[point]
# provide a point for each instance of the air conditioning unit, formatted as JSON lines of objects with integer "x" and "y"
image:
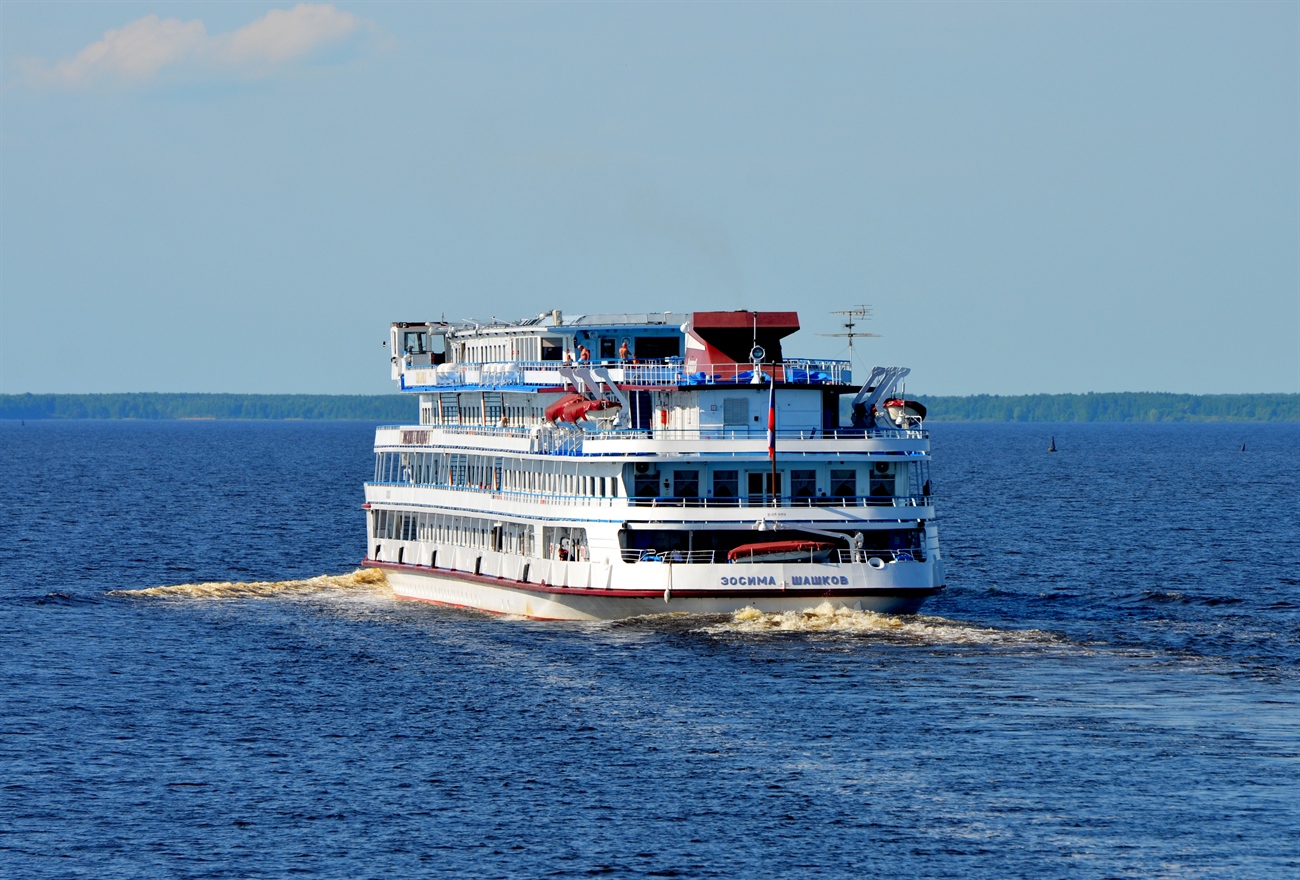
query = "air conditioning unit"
{"x": 643, "y": 467}
{"x": 882, "y": 467}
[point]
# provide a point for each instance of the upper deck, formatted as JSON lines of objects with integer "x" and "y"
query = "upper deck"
{"x": 655, "y": 441}
{"x": 625, "y": 381}
{"x": 672, "y": 372}
{"x": 634, "y": 350}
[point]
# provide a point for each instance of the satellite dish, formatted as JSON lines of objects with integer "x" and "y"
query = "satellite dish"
{"x": 756, "y": 354}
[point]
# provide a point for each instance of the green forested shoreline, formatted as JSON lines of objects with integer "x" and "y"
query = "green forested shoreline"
{"x": 1131, "y": 406}
{"x": 1124, "y": 406}
{"x": 334, "y": 407}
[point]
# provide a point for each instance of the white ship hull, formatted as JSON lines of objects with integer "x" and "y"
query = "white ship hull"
{"x": 688, "y": 589}
{"x": 608, "y": 466}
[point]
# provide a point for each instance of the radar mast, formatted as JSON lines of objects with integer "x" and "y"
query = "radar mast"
{"x": 849, "y": 320}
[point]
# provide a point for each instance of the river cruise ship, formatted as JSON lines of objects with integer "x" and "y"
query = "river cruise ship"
{"x": 595, "y": 467}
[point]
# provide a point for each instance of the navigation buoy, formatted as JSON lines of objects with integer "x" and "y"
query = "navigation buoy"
{"x": 1052, "y": 448}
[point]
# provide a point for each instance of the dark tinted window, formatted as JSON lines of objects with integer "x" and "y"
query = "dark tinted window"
{"x": 651, "y": 348}
{"x": 646, "y": 485}
{"x": 882, "y": 480}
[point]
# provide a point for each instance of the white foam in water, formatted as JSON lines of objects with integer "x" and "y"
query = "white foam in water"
{"x": 363, "y": 579}
{"x": 825, "y": 618}
{"x": 828, "y": 618}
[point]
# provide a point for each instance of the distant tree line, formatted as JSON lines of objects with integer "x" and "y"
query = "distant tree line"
{"x": 1126, "y": 406}
{"x": 394, "y": 408}
{"x": 402, "y": 408}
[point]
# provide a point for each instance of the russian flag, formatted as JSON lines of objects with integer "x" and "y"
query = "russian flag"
{"x": 771, "y": 419}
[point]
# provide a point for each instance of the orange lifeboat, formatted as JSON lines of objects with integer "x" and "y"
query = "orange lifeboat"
{"x": 573, "y": 408}
{"x": 782, "y": 551}
{"x": 910, "y": 410}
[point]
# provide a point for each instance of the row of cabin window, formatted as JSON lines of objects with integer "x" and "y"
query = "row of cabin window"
{"x": 566, "y": 543}
{"x": 452, "y": 529}
{"x": 453, "y": 469}
{"x": 726, "y": 484}
{"x": 487, "y": 352}
{"x": 499, "y": 474}
{"x": 478, "y": 408}
{"x": 803, "y": 483}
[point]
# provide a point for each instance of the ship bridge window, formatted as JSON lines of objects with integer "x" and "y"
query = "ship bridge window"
{"x": 552, "y": 349}
{"x": 650, "y": 348}
{"x": 415, "y": 342}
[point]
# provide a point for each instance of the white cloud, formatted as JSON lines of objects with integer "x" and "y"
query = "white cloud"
{"x": 288, "y": 34}
{"x": 150, "y": 47}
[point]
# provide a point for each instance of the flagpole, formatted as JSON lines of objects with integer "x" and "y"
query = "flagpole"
{"x": 771, "y": 435}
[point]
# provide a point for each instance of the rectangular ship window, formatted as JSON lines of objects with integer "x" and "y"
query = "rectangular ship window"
{"x": 803, "y": 484}
{"x": 726, "y": 484}
{"x": 686, "y": 484}
{"x": 646, "y": 485}
{"x": 844, "y": 484}
{"x": 882, "y": 480}
{"x": 450, "y": 404}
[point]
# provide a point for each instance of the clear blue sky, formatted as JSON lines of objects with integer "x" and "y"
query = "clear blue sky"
{"x": 1034, "y": 197}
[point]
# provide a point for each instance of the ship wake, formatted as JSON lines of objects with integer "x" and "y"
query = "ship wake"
{"x": 913, "y": 629}
{"x": 361, "y": 580}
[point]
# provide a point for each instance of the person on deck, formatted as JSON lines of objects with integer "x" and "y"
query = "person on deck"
{"x": 623, "y": 352}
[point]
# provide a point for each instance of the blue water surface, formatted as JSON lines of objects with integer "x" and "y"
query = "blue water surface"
{"x": 1108, "y": 688}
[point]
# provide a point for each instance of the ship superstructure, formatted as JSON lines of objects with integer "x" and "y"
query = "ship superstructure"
{"x": 608, "y": 466}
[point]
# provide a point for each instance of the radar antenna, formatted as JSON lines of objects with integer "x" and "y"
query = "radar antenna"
{"x": 850, "y": 319}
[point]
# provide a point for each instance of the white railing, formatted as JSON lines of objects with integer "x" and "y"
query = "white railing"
{"x": 759, "y": 502}
{"x": 795, "y": 371}
{"x": 840, "y": 556}
{"x": 539, "y": 498}
{"x": 747, "y": 433}
{"x": 555, "y": 498}
{"x": 552, "y": 440}
{"x": 705, "y": 433}
{"x": 542, "y": 439}
{"x": 687, "y": 556}
{"x": 882, "y": 556}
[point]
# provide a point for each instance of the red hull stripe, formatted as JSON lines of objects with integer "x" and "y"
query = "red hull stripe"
{"x": 650, "y": 594}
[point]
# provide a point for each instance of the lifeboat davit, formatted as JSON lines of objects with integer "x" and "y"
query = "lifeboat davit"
{"x": 782, "y": 551}
{"x": 898, "y": 409}
{"x": 573, "y": 408}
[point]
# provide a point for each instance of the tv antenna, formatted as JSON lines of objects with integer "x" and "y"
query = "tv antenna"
{"x": 849, "y": 320}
